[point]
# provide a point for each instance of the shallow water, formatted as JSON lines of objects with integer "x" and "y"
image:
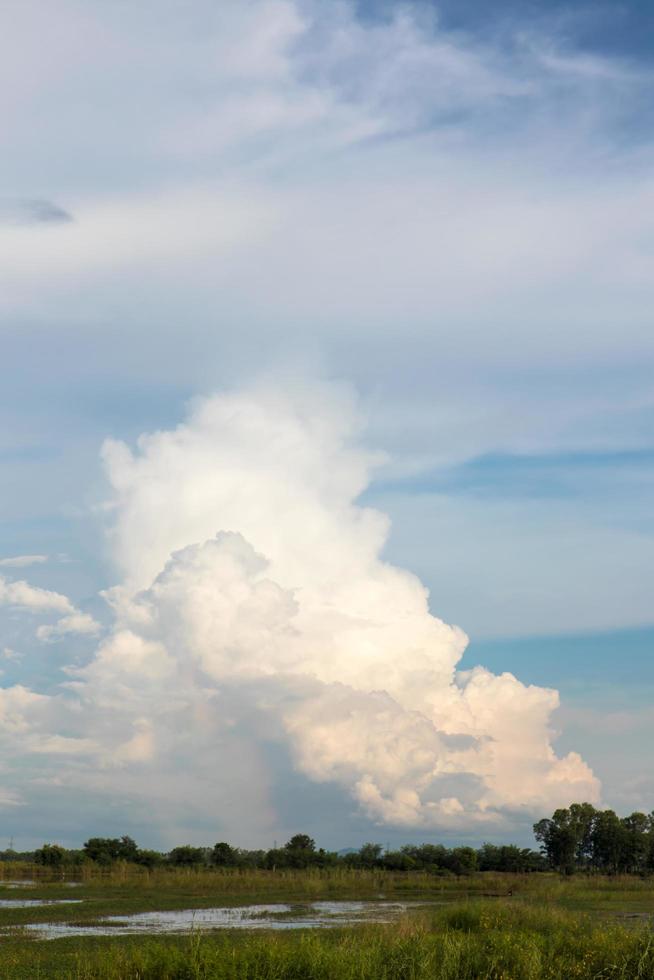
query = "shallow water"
{"x": 309, "y": 915}
{"x": 43, "y": 879}
{"x": 28, "y": 903}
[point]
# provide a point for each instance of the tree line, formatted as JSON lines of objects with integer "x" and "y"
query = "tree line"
{"x": 582, "y": 838}
{"x": 298, "y": 853}
{"x": 576, "y": 838}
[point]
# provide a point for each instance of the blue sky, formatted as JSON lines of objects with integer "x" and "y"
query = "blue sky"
{"x": 446, "y": 207}
{"x": 616, "y": 29}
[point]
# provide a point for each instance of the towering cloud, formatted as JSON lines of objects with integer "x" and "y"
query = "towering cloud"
{"x": 255, "y": 607}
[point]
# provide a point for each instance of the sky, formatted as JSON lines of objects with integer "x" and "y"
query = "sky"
{"x": 326, "y": 360}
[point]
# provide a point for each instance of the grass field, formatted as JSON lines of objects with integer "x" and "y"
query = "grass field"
{"x": 547, "y": 928}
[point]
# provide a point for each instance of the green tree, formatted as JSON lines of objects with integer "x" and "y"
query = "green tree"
{"x": 300, "y": 851}
{"x": 635, "y": 843}
{"x": 608, "y": 841}
{"x": 50, "y": 856}
{"x": 224, "y": 855}
{"x": 398, "y": 861}
{"x": 558, "y": 840}
{"x": 187, "y": 856}
{"x": 369, "y": 856}
{"x": 149, "y": 859}
{"x": 431, "y": 857}
{"x": 463, "y": 860}
{"x": 508, "y": 857}
{"x": 581, "y": 821}
{"x": 300, "y": 842}
{"x": 106, "y": 850}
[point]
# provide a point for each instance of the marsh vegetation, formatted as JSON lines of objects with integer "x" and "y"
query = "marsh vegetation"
{"x": 496, "y": 926}
{"x": 303, "y": 913}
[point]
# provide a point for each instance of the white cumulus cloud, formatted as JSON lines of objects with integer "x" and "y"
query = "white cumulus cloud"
{"x": 256, "y": 606}
{"x": 22, "y": 595}
{"x": 77, "y": 622}
{"x": 29, "y": 597}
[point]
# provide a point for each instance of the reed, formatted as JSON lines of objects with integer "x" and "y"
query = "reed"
{"x": 500, "y": 927}
{"x": 468, "y": 941}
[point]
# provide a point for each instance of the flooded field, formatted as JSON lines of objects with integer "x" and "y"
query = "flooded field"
{"x": 32, "y": 903}
{"x": 334, "y": 925}
{"x": 310, "y": 915}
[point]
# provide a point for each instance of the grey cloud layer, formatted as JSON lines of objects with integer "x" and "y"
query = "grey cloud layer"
{"x": 35, "y": 211}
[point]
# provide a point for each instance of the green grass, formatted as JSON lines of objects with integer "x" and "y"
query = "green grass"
{"x": 126, "y": 890}
{"x": 548, "y": 929}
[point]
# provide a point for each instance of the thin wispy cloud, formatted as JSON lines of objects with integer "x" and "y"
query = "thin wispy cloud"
{"x": 22, "y": 561}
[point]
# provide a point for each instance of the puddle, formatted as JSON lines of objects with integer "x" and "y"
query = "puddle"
{"x": 46, "y": 879}
{"x": 30, "y": 903}
{"x": 310, "y": 915}
{"x": 11, "y": 885}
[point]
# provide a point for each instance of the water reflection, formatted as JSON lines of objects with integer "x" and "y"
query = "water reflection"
{"x": 310, "y": 915}
{"x": 29, "y": 903}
